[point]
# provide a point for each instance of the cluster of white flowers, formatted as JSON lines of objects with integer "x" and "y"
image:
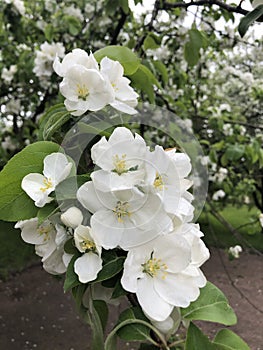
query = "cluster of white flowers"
{"x": 139, "y": 202}
{"x": 45, "y": 58}
{"x": 88, "y": 87}
{"x": 218, "y": 194}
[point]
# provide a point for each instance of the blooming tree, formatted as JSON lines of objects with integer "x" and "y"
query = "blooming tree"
{"x": 107, "y": 188}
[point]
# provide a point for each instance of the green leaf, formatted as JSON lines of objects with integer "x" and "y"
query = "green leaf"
{"x": 71, "y": 279}
{"x": 125, "y": 56}
{"x": 15, "y": 204}
{"x": 161, "y": 68}
{"x": 133, "y": 332}
{"x": 67, "y": 189}
{"x": 150, "y": 43}
{"x": 118, "y": 290}
{"x": 230, "y": 341}
{"x": 45, "y": 212}
{"x": 110, "y": 269}
{"x": 103, "y": 312}
{"x": 196, "y": 340}
{"x": 144, "y": 80}
{"x": 49, "y": 32}
{"x": 234, "y": 152}
{"x": 191, "y": 54}
{"x": 96, "y": 327}
{"x": 249, "y": 19}
{"x": 74, "y": 25}
{"x": 211, "y": 306}
{"x": 70, "y": 247}
{"x": 55, "y": 122}
{"x": 124, "y": 4}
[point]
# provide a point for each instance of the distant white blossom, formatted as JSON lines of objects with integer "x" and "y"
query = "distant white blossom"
{"x": 235, "y": 251}
{"x": 18, "y": 5}
{"x": 74, "y": 11}
{"x": 45, "y": 58}
{"x": 218, "y": 194}
{"x": 8, "y": 74}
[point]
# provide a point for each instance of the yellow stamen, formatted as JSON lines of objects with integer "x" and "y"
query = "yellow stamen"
{"x": 44, "y": 230}
{"x": 82, "y": 91}
{"x": 153, "y": 266}
{"x": 120, "y": 165}
{"x": 88, "y": 245}
{"x": 121, "y": 210}
{"x": 47, "y": 184}
{"x": 158, "y": 182}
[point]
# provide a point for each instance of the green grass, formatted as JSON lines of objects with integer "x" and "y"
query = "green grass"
{"x": 217, "y": 234}
{"x": 15, "y": 254}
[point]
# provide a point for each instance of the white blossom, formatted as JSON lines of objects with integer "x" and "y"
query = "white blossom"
{"x": 38, "y": 186}
{"x": 124, "y": 218}
{"x": 74, "y": 12}
{"x": 121, "y": 160}
{"x": 218, "y": 194}
{"x": 235, "y": 251}
{"x": 72, "y": 217}
{"x": 45, "y": 58}
{"x": 165, "y": 273}
{"x": 18, "y": 5}
{"x": 85, "y": 89}
{"x": 8, "y": 74}
{"x": 125, "y": 98}
{"x": 90, "y": 263}
{"x": 49, "y": 239}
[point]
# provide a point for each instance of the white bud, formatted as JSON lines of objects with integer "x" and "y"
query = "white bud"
{"x": 72, "y": 217}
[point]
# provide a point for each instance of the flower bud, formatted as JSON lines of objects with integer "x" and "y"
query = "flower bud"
{"x": 72, "y": 217}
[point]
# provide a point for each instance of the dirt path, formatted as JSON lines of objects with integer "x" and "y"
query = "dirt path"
{"x": 36, "y": 314}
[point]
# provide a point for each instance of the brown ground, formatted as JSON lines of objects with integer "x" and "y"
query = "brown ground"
{"x": 36, "y": 314}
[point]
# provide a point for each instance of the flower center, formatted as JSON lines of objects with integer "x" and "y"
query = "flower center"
{"x": 47, "y": 185}
{"x": 158, "y": 182}
{"x": 120, "y": 165}
{"x": 88, "y": 245}
{"x": 153, "y": 266}
{"x": 82, "y": 92}
{"x": 44, "y": 230}
{"x": 121, "y": 210}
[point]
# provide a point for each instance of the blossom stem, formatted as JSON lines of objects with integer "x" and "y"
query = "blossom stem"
{"x": 177, "y": 342}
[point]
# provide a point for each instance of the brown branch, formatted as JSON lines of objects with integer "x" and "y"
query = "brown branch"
{"x": 235, "y": 9}
{"x": 119, "y": 27}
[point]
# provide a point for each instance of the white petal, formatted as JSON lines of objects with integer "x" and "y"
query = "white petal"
{"x": 54, "y": 263}
{"x": 132, "y": 270}
{"x": 123, "y": 107}
{"x": 34, "y": 185}
{"x": 154, "y": 306}
{"x": 56, "y": 167}
{"x": 177, "y": 289}
{"x": 87, "y": 196}
{"x": 29, "y": 231}
{"x": 87, "y": 267}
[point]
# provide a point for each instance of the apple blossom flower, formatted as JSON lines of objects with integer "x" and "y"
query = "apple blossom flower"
{"x": 121, "y": 159}
{"x": 72, "y": 217}
{"x": 74, "y": 12}
{"x": 125, "y": 97}
{"x": 18, "y": 5}
{"x": 78, "y": 57}
{"x": 218, "y": 194}
{"x": 162, "y": 275}
{"x": 165, "y": 176}
{"x": 8, "y": 74}
{"x": 90, "y": 263}
{"x": 49, "y": 239}
{"x": 85, "y": 89}
{"x": 235, "y": 251}
{"x": 45, "y": 57}
{"x": 124, "y": 218}
{"x": 38, "y": 186}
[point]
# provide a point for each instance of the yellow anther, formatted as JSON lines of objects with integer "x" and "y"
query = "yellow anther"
{"x": 88, "y": 245}
{"x": 158, "y": 182}
{"x": 120, "y": 165}
{"x": 153, "y": 266}
{"x": 82, "y": 91}
{"x": 47, "y": 184}
{"x": 44, "y": 230}
{"x": 121, "y": 210}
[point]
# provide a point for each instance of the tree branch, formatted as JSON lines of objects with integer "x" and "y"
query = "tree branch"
{"x": 118, "y": 28}
{"x": 236, "y": 9}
